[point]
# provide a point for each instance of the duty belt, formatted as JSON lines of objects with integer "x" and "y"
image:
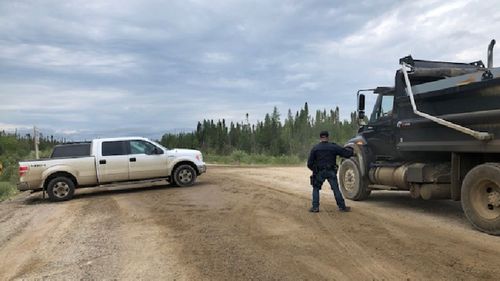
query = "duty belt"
{"x": 329, "y": 167}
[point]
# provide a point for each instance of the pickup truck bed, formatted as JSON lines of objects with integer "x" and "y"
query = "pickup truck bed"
{"x": 81, "y": 168}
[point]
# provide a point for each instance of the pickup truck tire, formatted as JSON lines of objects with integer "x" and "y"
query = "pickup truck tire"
{"x": 184, "y": 175}
{"x": 481, "y": 197}
{"x": 60, "y": 189}
{"x": 352, "y": 184}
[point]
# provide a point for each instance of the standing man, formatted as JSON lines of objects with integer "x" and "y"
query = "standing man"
{"x": 323, "y": 163}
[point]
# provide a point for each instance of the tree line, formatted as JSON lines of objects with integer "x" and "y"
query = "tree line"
{"x": 271, "y": 136}
{"x": 17, "y": 144}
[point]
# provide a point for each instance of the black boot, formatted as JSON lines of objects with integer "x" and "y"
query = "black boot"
{"x": 345, "y": 209}
{"x": 314, "y": 210}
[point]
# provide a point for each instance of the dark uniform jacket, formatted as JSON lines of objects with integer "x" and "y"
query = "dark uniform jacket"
{"x": 324, "y": 156}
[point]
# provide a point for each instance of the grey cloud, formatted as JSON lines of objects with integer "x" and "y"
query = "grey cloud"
{"x": 145, "y": 67}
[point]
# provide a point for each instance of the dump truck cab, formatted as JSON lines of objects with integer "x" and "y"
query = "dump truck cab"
{"x": 379, "y": 129}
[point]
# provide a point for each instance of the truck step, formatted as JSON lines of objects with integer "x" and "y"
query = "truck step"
{"x": 383, "y": 187}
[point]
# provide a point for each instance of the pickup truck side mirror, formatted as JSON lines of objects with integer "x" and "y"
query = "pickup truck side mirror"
{"x": 157, "y": 151}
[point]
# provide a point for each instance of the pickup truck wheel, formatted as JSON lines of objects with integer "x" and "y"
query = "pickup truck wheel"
{"x": 60, "y": 189}
{"x": 352, "y": 184}
{"x": 184, "y": 175}
{"x": 481, "y": 197}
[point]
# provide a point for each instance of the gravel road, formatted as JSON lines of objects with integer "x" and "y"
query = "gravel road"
{"x": 240, "y": 223}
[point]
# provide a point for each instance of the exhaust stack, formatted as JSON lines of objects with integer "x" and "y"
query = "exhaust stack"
{"x": 490, "y": 53}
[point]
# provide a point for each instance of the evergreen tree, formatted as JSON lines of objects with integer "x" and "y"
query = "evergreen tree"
{"x": 294, "y": 136}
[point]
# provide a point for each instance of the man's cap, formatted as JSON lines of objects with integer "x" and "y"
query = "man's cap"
{"x": 323, "y": 134}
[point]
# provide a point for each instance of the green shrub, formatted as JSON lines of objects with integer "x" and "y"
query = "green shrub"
{"x": 238, "y": 157}
{"x": 7, "y": 189}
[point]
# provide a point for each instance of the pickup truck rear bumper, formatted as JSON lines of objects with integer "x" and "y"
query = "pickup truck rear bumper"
{"x": 23, "y": 186}
{"x": 202, "y": 169}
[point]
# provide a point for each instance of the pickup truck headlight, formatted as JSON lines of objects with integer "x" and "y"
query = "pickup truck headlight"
{"x": 199, "y": 157}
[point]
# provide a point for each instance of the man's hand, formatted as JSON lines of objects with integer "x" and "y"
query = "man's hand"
{"x": 350, "y": 149}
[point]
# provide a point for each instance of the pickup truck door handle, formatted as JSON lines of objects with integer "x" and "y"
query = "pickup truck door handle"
{"x": 103, "y": 161}
{"x": 132, "y": 159}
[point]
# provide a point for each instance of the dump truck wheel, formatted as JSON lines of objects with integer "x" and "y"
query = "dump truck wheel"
{"x": 60, "y": 189}
{"x": 481, "y": 197}
{"x": 352, "y": 184}
{"x": 184, "y": 175}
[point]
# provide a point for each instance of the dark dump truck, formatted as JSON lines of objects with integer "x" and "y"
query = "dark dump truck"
{"x": 436, "y": 134}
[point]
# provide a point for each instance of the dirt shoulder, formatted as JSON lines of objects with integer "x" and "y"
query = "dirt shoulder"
{"x": 240, "y": 223}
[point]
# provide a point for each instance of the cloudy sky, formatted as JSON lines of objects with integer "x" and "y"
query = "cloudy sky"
{"x": 106, "y": 68}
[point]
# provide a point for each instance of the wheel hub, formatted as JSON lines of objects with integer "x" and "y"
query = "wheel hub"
{"x": 494, "y": 199}
{"x": 61, "y": 189}
{"x": 349, "y": 180}
{"x": 185, "y": 176}
{"x": 486, "y": 199}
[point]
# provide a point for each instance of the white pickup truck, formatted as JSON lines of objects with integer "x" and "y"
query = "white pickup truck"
{"x": 110, "y": 160}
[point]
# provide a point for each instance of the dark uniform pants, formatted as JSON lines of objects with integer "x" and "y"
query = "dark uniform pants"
{"x": 318, "y": 180}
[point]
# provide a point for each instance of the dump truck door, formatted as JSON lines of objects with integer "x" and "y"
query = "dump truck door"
{"x": 381, "y": 136}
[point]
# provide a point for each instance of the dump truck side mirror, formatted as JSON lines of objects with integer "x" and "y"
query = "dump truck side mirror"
{"x": 361, "y": 102}
{"x": 361, "y": 109}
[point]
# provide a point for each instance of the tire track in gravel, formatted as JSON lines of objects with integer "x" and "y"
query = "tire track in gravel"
{"x": 388, "y": 244}
{"x": 26, "y": 235}
{"x": 241, "y": 223}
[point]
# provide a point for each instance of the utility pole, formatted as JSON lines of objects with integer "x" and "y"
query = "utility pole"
{"x": 36, "y": 141}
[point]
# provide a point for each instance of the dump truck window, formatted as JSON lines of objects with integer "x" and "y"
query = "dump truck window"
{"x": 387, "y": 103}
{"x": 383, "y": 107}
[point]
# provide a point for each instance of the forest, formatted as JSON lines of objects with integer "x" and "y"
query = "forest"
{"x": 270, "y": 140}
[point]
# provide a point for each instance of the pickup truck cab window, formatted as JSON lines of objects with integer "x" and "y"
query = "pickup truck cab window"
{"x": 71, "y": 150}
{"x": 143, "y": 147}
{"x": 110, "y": 148}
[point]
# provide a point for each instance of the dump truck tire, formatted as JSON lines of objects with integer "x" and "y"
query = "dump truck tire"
{"x": 352, "y": 184}
{"x": 481, "y": 197}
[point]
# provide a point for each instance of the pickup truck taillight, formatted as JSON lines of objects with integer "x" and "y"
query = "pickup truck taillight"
{"x": 23, "y": 170}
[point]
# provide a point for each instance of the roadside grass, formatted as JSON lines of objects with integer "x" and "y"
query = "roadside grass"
{"x": 8, "y": 177}
{"x": 239, "y": 157}
{"x": 9, "y": 173}
{"x": 7, "y": 190}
